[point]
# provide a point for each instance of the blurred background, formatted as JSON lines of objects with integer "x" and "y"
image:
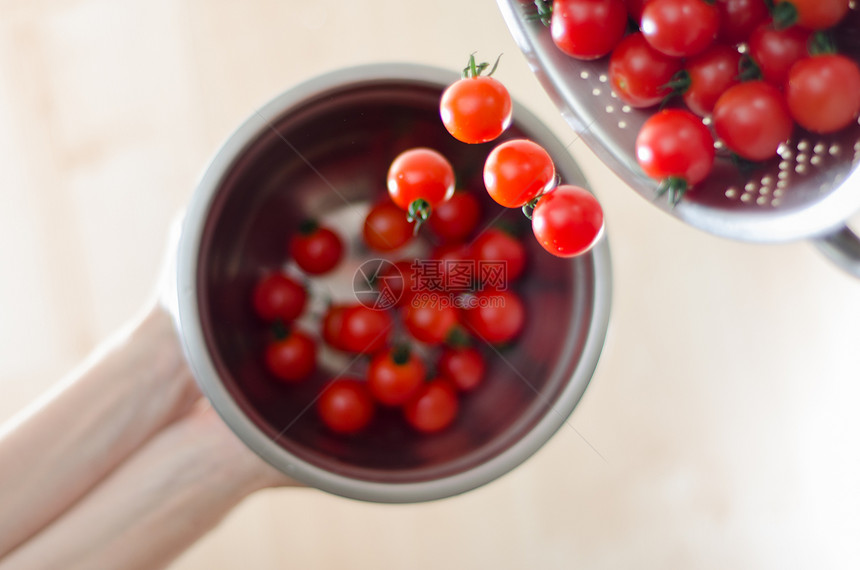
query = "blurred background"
{"x": 719, "y": 430}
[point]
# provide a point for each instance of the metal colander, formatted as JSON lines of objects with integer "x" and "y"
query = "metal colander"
{"x": 808, "y": 191}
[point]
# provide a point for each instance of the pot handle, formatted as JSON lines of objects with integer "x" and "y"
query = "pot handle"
{"x": 842, "y": 247}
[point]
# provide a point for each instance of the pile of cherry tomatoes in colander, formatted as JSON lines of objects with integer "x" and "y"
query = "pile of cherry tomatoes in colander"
{"x": 428, "y": 333}
{"x": 756, "y": 69}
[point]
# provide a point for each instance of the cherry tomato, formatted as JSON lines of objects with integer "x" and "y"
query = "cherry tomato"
{"x": 752, "y": 119}
{"x": 455, "y": 220}
{"x": 315, "y": 249}
{"x": 710, "y": 73}
{"x": 587, "y": 29}
{"x": 278, "y": 296}
{"x": 395, "y": 375}
{"x": 814, "y": 14}
{"x": 639, "y": 74}
{"x": 433, "y": 408}
{"x": 365, "y": 330}
{"x": 430, "y": 318}
{"x": 496, "y": 316}
{"x": 332, "y": 326}
{"x": 419, "y": 179}
{"x": 386, "y": 227}
{"x": 680, "y": 28}
{"x": 456, "y": 269}
{"x": 675, "y": 148}
{"x": 292, "y": 358}
{"x": 823, "y": 92}
{"x": 516, "y": 171}
{"x": 568, "y": 221}
{"x": 775, "y": 51}
{"x": 464, "y": 367}
{"x": 634, "y": 9}
{"x": 738, "y": 19}
{"x": 400, "y": 279}
{"x": 476, "y": 109}
{"x": 496, "y": 245}
{"x": 346, "y": 406}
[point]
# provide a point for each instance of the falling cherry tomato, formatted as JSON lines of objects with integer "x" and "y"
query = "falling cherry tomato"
{"x": 477, "y": 108}
{"x": 418, "y": 180}
{"x": 567, "y": 221}
{"x": 516, "y": 171}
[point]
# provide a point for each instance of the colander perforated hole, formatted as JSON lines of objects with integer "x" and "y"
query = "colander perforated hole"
{"x": 584, "y": 74}
{"x": 610, "y": 109}
{"x": 622, "y": 124}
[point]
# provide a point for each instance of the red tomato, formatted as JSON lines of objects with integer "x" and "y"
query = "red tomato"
{"x": 476, "y": 109}
{"x": 430, "y": 318}
{"x": 464, "y": 367}
{"x": 332, "y": 326}
{"x": 675, "y": 148}
{"x": 419, "y": 179}
{"x": 455, "y": 271}
{"x": 738, "y": 19}
{"x": 568, "y": 221}
{"x": 497, "y": 245}
{"x": 316, "y": 249}
{"x": 517, "y": 171}
{"x": 813, "y": 14}
{"x": 634, "y": 9}
{"x": 639, "y": 74}
{"x": 386, "y": 227}
{"x": 823, "y": 92}
{"x": 292, "y": 358}
{"x": 400, "y": 278}
{"x": 345, "y": 406}
{"x": 680, "y": 28}
{"x": 710, "y": 73}
{"x": 456, "y": 219}
{"x": 365, "y": 330}
{"x": 433, "y": 408}
{"x": 395, "y": 375}
{"x": 752, "y": 119}
{"x": 587, "y": 29}
{"x": 775, "y": 51}
{"x": 496, "y": 317}
{"x": 277, "y": 296}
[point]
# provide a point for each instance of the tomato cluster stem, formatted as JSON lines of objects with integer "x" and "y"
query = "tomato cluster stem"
{"x": 674, "y": 187}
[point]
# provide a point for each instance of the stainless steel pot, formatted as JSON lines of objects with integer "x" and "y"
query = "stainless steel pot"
{"x": 321, "y": 150}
